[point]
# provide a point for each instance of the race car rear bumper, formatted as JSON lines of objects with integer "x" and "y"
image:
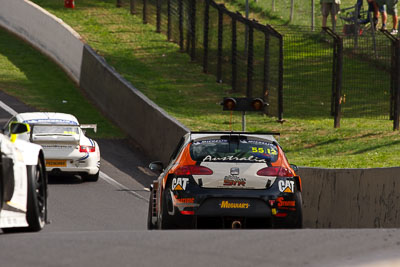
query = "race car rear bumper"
{"x": 221, "y": 208}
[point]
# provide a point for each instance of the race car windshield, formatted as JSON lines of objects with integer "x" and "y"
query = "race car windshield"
{"x": 241, "y": 150}
{"x": 55, "y": 130}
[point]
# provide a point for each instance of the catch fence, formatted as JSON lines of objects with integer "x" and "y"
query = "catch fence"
{"x": 295, "y": 70}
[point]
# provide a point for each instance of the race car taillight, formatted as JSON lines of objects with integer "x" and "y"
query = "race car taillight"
{"x": 87, "y": 149}
{"x": 275, "y": 171}
{"x": 193, "y": 170}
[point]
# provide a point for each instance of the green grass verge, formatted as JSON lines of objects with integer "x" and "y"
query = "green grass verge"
{"x": 40, "y": 83}
{"x": 167, "y": 77}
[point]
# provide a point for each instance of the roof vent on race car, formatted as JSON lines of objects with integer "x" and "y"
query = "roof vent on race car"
{"x": 193, "y": 170}
{"x": 275, "y": 171}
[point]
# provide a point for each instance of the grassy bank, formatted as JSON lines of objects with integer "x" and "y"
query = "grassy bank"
{"x": 40, "y": 83}
{"x": 166, "y": 76}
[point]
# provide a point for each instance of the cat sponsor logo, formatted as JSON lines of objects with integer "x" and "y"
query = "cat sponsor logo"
{"x": 179, "y": 183}
{"x": 225, "y": 204}
{"x": 286, "y": 186}
{"x": 234, "y": 181}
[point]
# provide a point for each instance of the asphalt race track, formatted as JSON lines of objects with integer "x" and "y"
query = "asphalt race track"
{"x": 104, "y": 224}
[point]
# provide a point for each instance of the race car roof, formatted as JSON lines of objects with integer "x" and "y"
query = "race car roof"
{"x": 206, "y": 135}
{"x": 47, "y": 118}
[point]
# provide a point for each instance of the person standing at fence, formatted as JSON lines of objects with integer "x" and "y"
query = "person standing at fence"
{"x": 329, "y": 7}
{"x": 391, "y": 9}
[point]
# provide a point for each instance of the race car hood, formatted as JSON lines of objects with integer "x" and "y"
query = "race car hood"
{"x": 234, "y": 175}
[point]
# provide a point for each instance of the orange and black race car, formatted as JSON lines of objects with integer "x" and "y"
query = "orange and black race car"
{"x": 226, "y": 180}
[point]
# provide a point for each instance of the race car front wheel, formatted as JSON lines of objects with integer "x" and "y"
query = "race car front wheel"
{"x": 37, "y": 197}
{"x": 36, "y": 213}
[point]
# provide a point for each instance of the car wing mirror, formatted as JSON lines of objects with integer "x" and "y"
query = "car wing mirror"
{"x": 19, "y": 127}
{"x": 156, "y": 166}
{"x": 294, "y": 167}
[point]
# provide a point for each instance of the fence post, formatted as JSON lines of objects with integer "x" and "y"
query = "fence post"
{"x": 205, "y": 38}
{"x": 234, "y": 54}
{"x": 396, "y": 87}
{"x": 220, "y": 36}
{"x": 158, "y": 16}
{"x": 280, "y": 72}
{"x": 266, "y": 72}
{"x": 250, "y": 59}
{"x": 337, "y": 70}
{"x": 394, "y": 79}
{"x": 119, "y": 3}
{"x": 193, "y": 29}
{"x": 144, "y": 11}
{"x": 169, "y": 23}
{"x": 180, "y": 11}
{"x": 333, "y": 87}
{"x": 280, "y": 82}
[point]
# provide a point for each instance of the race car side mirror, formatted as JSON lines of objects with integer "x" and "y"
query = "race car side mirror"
{"x": 294, "y": 167}
{"x": 19, "y": 127}
{"x": 156, "y": 166}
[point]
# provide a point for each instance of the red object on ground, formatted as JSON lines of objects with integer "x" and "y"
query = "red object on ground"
{"x": 69, "y": 3}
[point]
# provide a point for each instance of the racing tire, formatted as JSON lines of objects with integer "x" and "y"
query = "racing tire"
{"x": 36, "y": 214}
{"x": 297, "y": 223}
{"x": 165, "y": 220}
{"x": 91, "y": 177}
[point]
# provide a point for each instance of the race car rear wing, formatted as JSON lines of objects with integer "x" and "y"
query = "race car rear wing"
{"x": 233, "y": 133}
{"x": 89, "y": 126}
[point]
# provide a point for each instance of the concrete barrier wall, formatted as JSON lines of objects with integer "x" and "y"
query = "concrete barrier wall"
{"x": 45, "y": 32}
{"x": 351, "y": 198}
{"x": 149, "y": 125}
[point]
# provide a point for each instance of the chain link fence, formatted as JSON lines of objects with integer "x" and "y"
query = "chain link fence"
{"x": 294, "y": 69}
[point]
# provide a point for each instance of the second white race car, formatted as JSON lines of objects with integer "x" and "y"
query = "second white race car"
{"x": 66, "y": 148}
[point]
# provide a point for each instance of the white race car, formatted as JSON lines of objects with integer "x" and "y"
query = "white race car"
{"x": 23, "y": 183}
{"x": 66, "y": 148}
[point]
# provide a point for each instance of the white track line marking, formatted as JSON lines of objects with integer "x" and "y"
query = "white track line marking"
{"x": 8, "y": 109}
{"x": 103, "y": 176}
{"x": 117, "y": 185}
